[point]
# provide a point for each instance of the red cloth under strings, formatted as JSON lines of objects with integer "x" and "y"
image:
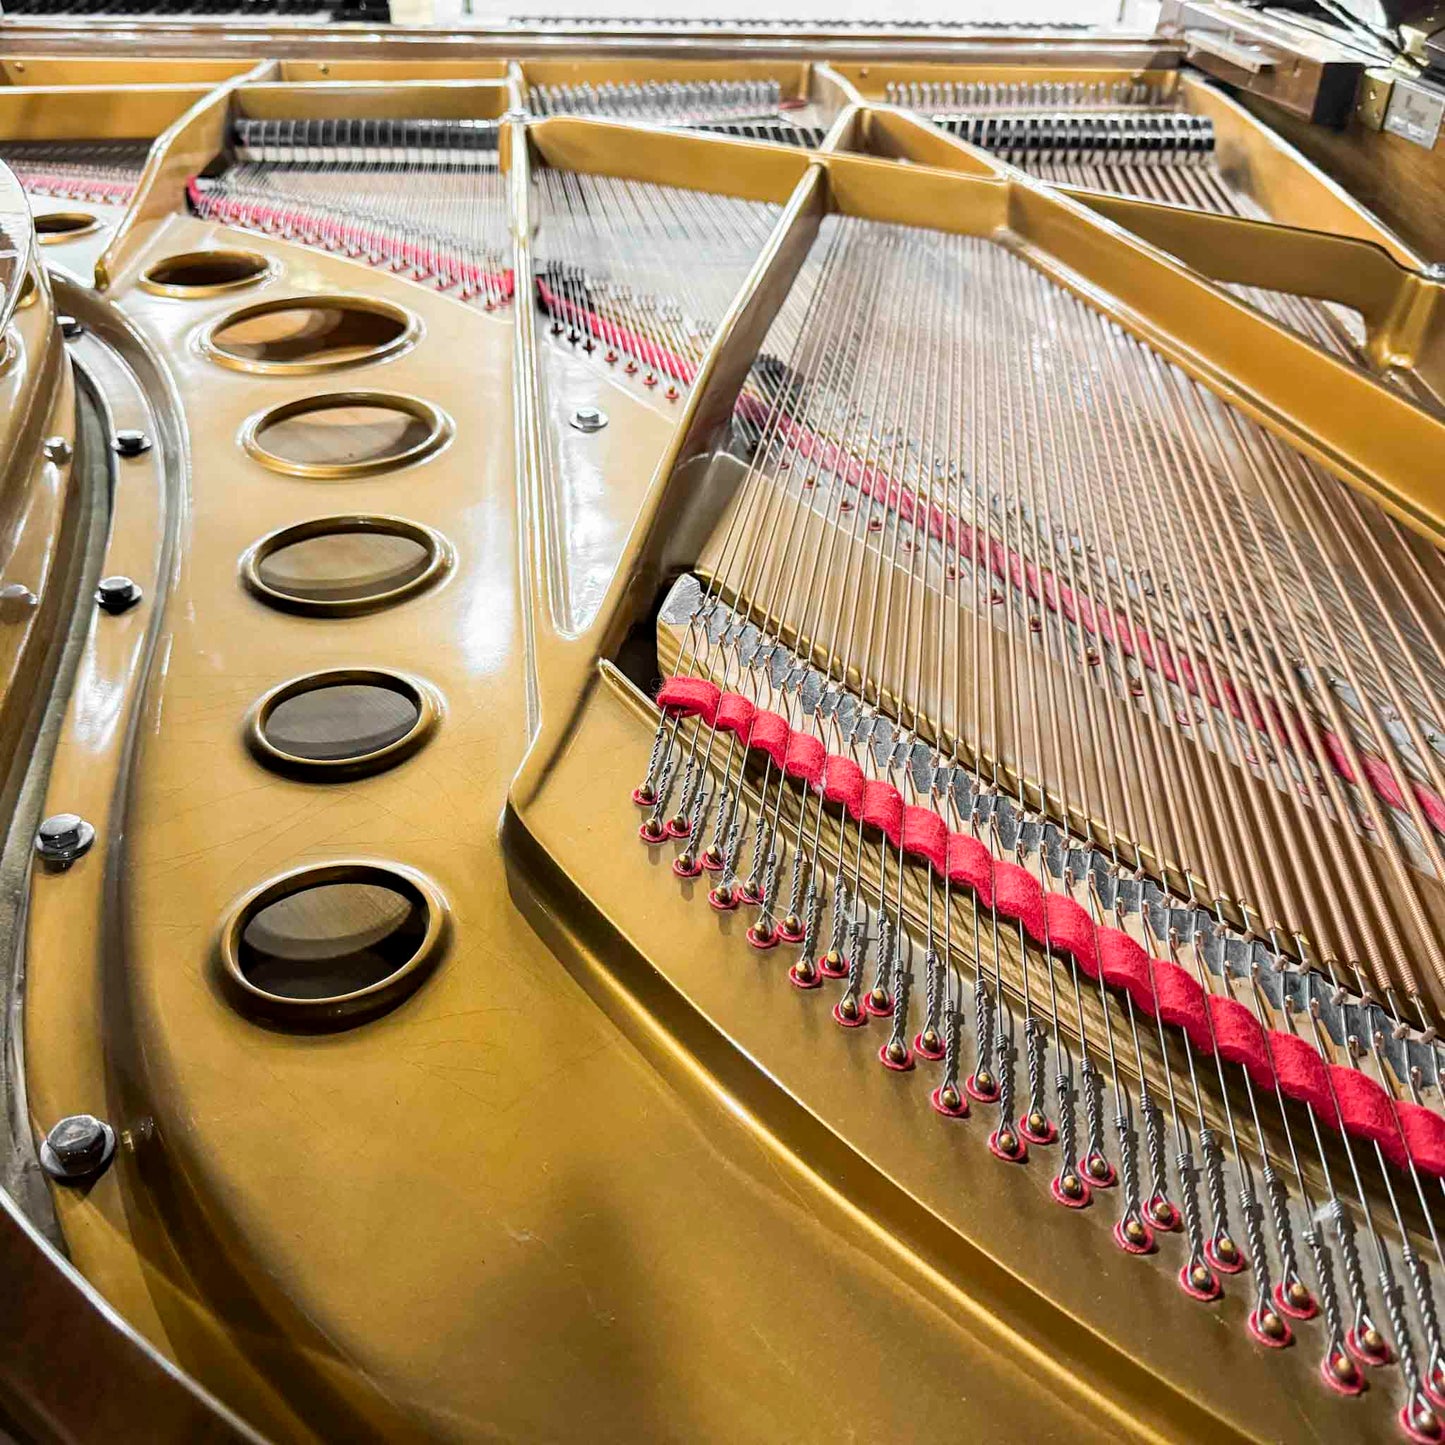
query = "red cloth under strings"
{"x": 1406, "y": 1132}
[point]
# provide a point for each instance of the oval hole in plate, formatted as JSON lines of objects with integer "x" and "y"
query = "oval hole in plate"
{"x": 342, "y": 566}
{"x": 197, "y": 274}
{"x": 333, "y": 944}
{"x": 300, "y": 334}
{"x": 339, "y": 435}
{"x": 342, "y": 723}
{"x": 55, "y": 226}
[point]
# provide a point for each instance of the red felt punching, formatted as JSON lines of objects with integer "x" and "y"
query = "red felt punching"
{"x": 1424, "y": 1132}
{"x": 805, "y": 757}
{"x": 1181, "y": 1003}
{"x": 1303, "y": 1075}
{"x": 970, "y": 862}
{"x": 843, "y": 783}
{"x": 925, "y": 835}
{"x": 1125, "y": 965}
{"x": 883, "y": 809}
{"x": 1368, "y": 1111}
{"x": 1017, "y": 893}
{"x": 690, "y": 697}
{"x": 771, "y": 733}
{"x": 1239, "y": 1038}
{"x": 1071, "y": 931}
{"x": 735, "y": 714}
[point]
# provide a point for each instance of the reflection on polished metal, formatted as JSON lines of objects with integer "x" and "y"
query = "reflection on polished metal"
{"x": 855, "y": 752}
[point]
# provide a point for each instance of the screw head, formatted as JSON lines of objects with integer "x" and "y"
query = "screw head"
{"x": 78, "y": 1147}
{"x": 117, "y": 594}
{"x": 16, "y": 602}
{"x": 1434, "y": 271}
{"x": 131, "y": 442}
{"x": 589, "y": 418}
{"x": 63, "y": 837}
{"x": 57, "y": 450}
{"x": 70, "y": 328}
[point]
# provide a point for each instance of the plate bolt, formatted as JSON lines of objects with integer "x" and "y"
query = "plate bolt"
{"x": 77, "y": 1148}
{"x": 131, "y": 442}
{"x": 589, "y": 418}
{"x": 63, "y": 837}
{"x": 117, "y": 594}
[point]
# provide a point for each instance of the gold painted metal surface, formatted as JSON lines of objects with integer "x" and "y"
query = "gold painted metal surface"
{"x": 421, "y": 694}
{"x": 606, "y": 1180}
{"x": 438, "y": 431}
{"x": 334, "y": 1010}
{"x": 439, "y": 557}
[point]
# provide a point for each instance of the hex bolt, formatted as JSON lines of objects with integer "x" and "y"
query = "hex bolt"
{"x": 78, "y": 1148}
{"x": 117, "y": 594}
{"x": 63, "y": 837}
{"x": 131, "y": 442}
{"x": 57, "y": 450}
{"x": 589, "y": 418}
{"x": 70, "y": 328}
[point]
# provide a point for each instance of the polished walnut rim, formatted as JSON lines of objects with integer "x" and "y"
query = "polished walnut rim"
{"x": 434, "y": 558}
{"x": 195, "y": 275}
{"x": 54, "y": 227}
{"x": 421, "y": 931}
{"x": 358, "y": 696}
{"x": 426, "y": 428}
{"x": 304, "y": 335}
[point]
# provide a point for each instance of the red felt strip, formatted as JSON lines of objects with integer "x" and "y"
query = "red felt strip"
{"x": 1017, "y": 893}
{"x": 925, "y": 835}
{"x": 735, "y": 714}
{"x": 805, "y": 757}
{"x": 1303, "y": 1075}
{"x": 1368, "y": 1110}
{"x": 883, "y": 809}
{"x": 1405, "y": 1132}
{"x": 1424, "y": 1132}
{"x": 1125, "y": 964}
{"x": 771, "y": 734}
{"x": 1071, "y": 931}
{"x": 1239, "y": 1037}
{"x": 691, "y": 697}
{"x": 1181, "y": 1003}
{"x": 843, "y": 783}
{"x": 970, "y": 862}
